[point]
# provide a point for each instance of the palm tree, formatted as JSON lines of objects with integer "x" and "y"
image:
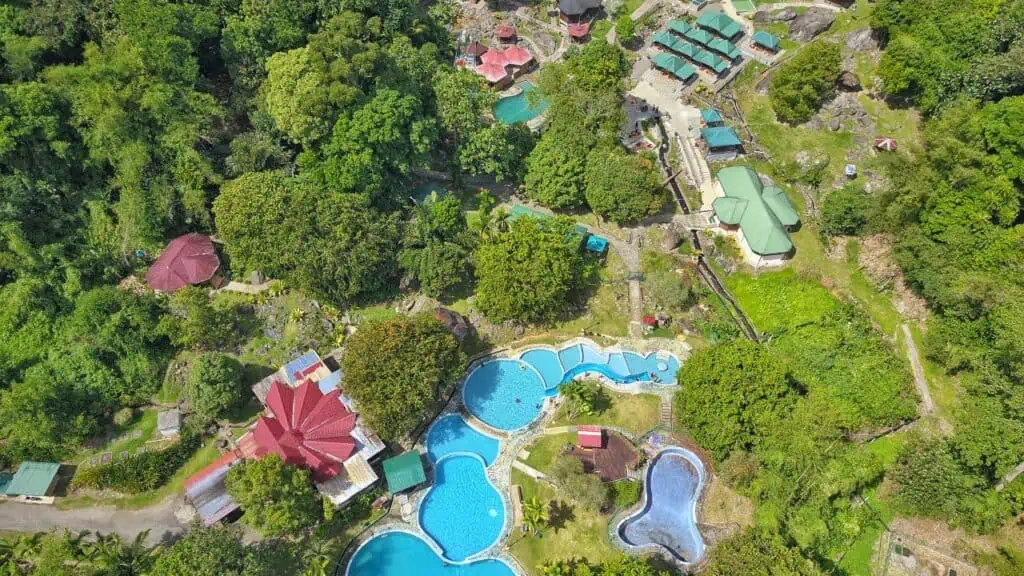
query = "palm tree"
{"x": 113, "y": 557}
{"x": 501, "y": 221}
{"x": 318, "y": 557}
{"x": 535, "y": 516}
{"x": 17, "y": 555}
{"x": 580, "y": 398}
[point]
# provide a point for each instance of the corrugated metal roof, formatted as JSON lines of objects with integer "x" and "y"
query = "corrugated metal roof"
{"x": 5, "y": 479}
{"x": 297, "y": 369}
{"x": 33, "y": 479}
{"x": 208, "y": 493}
{"x": 765, "y": 39}
{"x": 720, "y": 137}
{"x": 679, "y": 26}
{"x": 404, "y": 471}
{"x": 720, "y": 23}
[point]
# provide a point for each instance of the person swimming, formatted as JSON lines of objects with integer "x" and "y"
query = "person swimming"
{"x": 518, "y": 401}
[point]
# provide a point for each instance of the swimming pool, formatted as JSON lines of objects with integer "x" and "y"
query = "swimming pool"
{"x": 463, "y": 512}
{"x": 401, "y": 554}
{"x": 668, "y": 518}
{"x": 452, "y": 434}
{"x": 513, "y": 109}
{"x": 505, "y": 394}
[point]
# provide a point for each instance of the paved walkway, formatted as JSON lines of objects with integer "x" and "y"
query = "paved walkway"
{"x": 159, "y": 519}
{"x": 927, "y": 405}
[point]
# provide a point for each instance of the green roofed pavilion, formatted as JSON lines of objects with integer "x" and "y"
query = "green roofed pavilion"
{"x": 724, "y": 47}
{"x": 679, "y": 26}
{"x": 711, "y": 116}
{"x": 747, "y": 205}
{"x": 718, "y": 137}
{"x": 404, "y": 471}
{"x": 33, "y": 479}
{"x": 719, "y": 24}
{"x": 702, "y": 37}
{"x": 766, "y": 40}
{"x": 711, "y": 61}
{"x": 673, "y": 65}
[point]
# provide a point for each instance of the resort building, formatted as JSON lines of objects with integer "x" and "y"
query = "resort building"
{"x": 711, "y": 118}
{"x": 719, "y": 24}
{"x": 308, "y": 423}
{"x": 473, "y": 52}
{"x": 33, "y": 483}
{"x": 764, "y": 41}
{"x": 506, "y": 33}
{"x": 500, "y": 67}
{"x": 187, "y": 260}
{"x": 722, "y": 143}
{"x": 760, "y": 217}
{"x": 673, "y": 66}
{"x": 578, "y": 10}
{"x": 704, "y": 59}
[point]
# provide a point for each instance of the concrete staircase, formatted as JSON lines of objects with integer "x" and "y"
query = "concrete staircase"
{"x": 666, "y": 410}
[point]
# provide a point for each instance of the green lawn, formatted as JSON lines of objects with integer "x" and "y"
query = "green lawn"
{"x": 779, "y": 300}
{"x": 583, "y": 534}
{"x": 637, "y": 413}
{"x": 545, "y": 449}
{"x": 143, "y": 425}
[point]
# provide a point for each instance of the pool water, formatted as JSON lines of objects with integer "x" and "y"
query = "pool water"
{"x": 403, "y": 554}
{"x": 462, "y": 512}
{"x": 513, "y": 109}
{"x": 674, "y": 480}
{"x": 452, "y": 434}
{"x": 546, "y": 362}
{"x": 505, "y": 394}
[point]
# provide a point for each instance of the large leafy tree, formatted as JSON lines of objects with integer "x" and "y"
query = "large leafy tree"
{"x": 735, "y": 394}
{"x": 530, "y": 273}
{"x": 802, "y": 83}
{"x": 215, "y": 384}
{"x": 277, "y": 498}
{"x": 437, "y": 246}
{"x": 214, "y": 551}
{"x": 396, "y": 369}
{"x": 194, "y": 322}
{"x": 259, "y": 29}
{"x": 758, "y": 554}
{"x": 623, "y": 187}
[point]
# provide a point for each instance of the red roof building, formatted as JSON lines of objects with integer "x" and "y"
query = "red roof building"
{"x": 518, "y": 56}
{"x": 505, "y": 32}
{"x": 493, "y": 73}
{"x": 188, "y": 259}
{"x": 590, "y": 437}
{"x": 309, "y": 429}
{"x": 579, "y": 30}
{"x": 476, "y": 49}
{"x": 496, "y": 57}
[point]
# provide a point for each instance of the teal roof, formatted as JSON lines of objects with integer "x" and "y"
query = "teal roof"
{"x": 725, "y": 47}
{"x": 679, "y": 26}
{"x": 404, "y": 471}
{"x": 663, "y": 38}
{"x": 5, "y": 479}
{"x": 709, "y": 60}
{"x": 702, "y": 37}
{"x": 33, "y": 479}
{"x": 720, "y": 137}
{"x": 765, "y": 39}
{"x": 710, "y": 116}
{"x": 779, "y": 203}
{"x": 745, "y": 203}
{"x": 720, "y": 23}
{"x": 673, "y": 65}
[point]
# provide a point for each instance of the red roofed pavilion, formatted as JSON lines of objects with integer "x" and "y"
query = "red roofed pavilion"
{"x": 492, "y": 72}
{"x": 496, "y": 57}
{"x": 309, "y": 429}
{"x": 505, "y": 32}
{"x": 589, "y": 437}
{"x": 518, "y": 56}
{"x": 579, "y": 30}
{"x": 188, "y": 259}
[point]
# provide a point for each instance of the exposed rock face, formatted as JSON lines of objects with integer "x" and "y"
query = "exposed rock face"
{"x": 763, "y": 17}
{"x": 670, "y": 240}
{"x": 812, "y": 23}
{"x": 785, "y": 15}
{"x": 862, "y": 40}
{"x": 849, "y": 82}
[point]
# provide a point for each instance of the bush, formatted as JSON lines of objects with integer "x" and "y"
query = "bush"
{"x": 585, "y": 490}
{"x": 214, "y": 384}
{"x": 625, "y": 29}
{"x": 139, "y": 472}
{"x": 278, "y": 498}
{"x": 193, "y": 322}
{"x": 801, "y": 85}
{"x": 626, "y": 493}
{"x": 845, "y": 211}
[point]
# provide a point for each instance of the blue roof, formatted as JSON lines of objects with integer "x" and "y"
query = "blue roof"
{"x": 720, "y": 137}
{"x": 711, "y": 115}
{"x": 332, "y": 382}
{"x": 765, "y": 39}
{"x": 300, "y": 364}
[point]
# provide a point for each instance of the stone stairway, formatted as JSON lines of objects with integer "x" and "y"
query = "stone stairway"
{"x": 666, "y": 410}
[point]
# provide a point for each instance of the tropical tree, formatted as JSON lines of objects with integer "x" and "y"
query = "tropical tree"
{"x": 556, "y": 568}
{"x": 112, "y": 556}
{"x": 581, "y": 397}
{"x": 535, "y": 516}
{"x": 214, "y": 384}
{"x": 277, "y": 498}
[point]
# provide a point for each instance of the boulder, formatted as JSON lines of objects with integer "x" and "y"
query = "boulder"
{"x": 862, "y": 40}
{"x": 849, "y": 82}
{"x": 810, "y": 24}
{"x": 785, "y": 15}
{"x": 763, "y": 17}
{"x": 834, "y": 124}
{"x": 670, "y": 240}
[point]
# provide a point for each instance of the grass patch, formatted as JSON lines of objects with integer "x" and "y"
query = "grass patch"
{"x": 857, "y": 559}
{"x": 143, "y": 424}
{"x": 546, "y": 448}
{"x": 636, "y": 413}
{"x": 583, "y": 535}
{"x": 779, "y": 300}
{"x": 608, "y": 306}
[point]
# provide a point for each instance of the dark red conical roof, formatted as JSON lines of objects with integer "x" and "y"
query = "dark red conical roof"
{"x": 309, "y": 428}
{"x": 188, "y": 259}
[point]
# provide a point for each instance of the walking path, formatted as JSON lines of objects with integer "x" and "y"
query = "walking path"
{"x": 637, "y": 14}
{"x": 927, "y": 405}
{"x": 159, "y": 519}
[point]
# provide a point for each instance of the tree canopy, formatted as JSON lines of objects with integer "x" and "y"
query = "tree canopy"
{"x": 277, "y": 498}
{"x": 805, "y": 81}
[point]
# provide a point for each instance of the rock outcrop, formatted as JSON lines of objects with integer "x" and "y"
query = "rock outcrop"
{"x": 810, "y": 24}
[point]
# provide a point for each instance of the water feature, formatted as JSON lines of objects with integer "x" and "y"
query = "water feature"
{"x": 505, "y": 394}
{"x": 513, "y": 109}
{"x": 401, "y": 554}
{"x": 463, "y": 512}
{"x": 547, "y": 364}
{"x": 452, "y": 434}
{"x": 668, "y": 517}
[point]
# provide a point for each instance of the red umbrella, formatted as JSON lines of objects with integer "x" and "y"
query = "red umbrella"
{"x": 494, "y": 57}
{"x": 188, "y": 259}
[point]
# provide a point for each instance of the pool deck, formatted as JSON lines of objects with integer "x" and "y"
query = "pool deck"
{"x": 499, "y": 473}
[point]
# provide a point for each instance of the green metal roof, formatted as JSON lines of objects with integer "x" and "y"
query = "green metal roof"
{"x": 673, "y": 65}
{"x": 710, "y": 60}
{"x": 722, "y": 25}
{"x": 679, "y": 26}
{"x": 720, "y": 137}
{"x": 744, "y": 204}
{"x": 702, "y": 37}
{"x": 710, "y": 116}
{"x": 5, "y": 479}
{"x": 404, "y": 471}
{"x": 765, "y": 39}
{"x": 779, "y": 203}
{"x": 33, "y": 479}
{"x": 664, "y": 38}
{"x": 725, "y": 47}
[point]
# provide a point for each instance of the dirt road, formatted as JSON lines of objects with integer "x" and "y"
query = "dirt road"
{"x": 159, "y": 519}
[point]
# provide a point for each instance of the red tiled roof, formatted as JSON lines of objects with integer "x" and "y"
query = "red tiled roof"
{"x": 475, "y": 49}
{"x": 492, "y": 72}
{"x": 517, "y": 55}
{"x": 494, "y": 57}
{"x": 309, "y": 428}
{"x": 505, "y": 31}
{"x": 590, "y": 437}
{"x": 188, "y": 259}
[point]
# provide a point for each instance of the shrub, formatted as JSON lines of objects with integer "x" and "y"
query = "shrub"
{"x": 585, "y": 490}
{"x": 626, "y": 493}
{"x": 139, "y": 472}
{"x": 214, "y": 384}
{"x": 845, "y": 211}
{"x": 802, "y": 84}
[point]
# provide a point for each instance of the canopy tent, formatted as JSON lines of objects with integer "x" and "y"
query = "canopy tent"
{"x": 518, "y": 56}
{"x": 404, "y": 471}
{"x": 309, "y": 428}
{"x": 188, "y": 259}
{"x": 496, "y": 57}
{"x": 492, "y": 72}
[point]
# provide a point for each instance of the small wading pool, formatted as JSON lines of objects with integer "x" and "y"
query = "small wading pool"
{"x": 403, "y": 554}
{"x": 674, "y": 480}
{"x": 462, "y": 512}
{"x": 513, "y": 109}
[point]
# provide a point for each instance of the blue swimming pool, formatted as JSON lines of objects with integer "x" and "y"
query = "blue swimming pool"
{"x": 513, "y": 109}
{"x": 452, "y": 434}
{"x": 505, "y": 394}
{"x": 668, "y": 518}
{"x": 402, "y": 554}
{"x": 462, "y": 512}
{"x": 546, "y": 362}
